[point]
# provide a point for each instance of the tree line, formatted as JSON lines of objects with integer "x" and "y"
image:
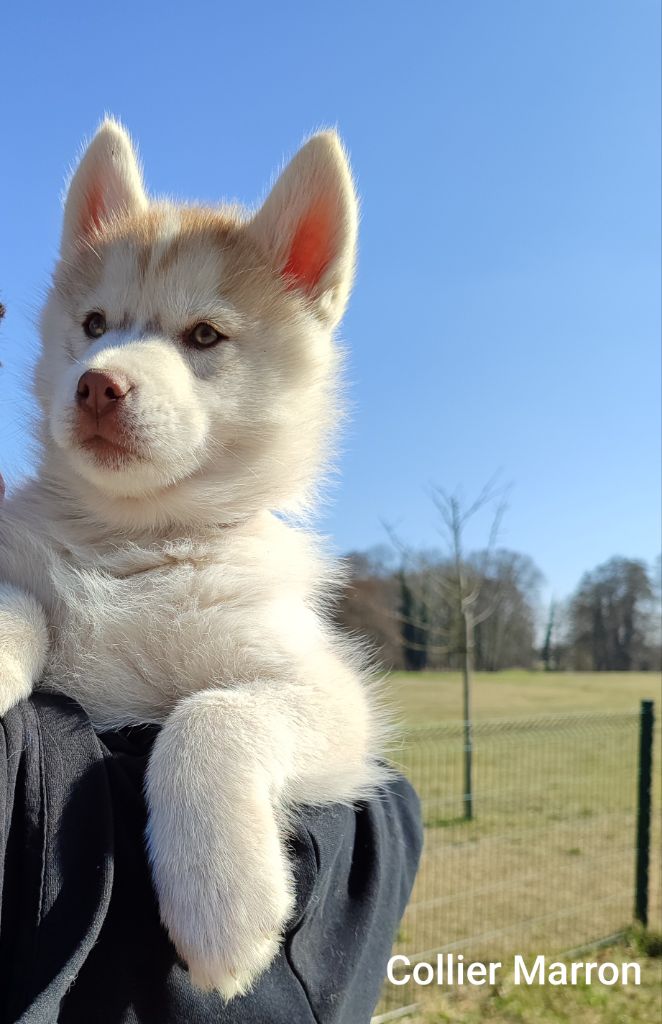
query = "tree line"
{"x": 453, "y": 609}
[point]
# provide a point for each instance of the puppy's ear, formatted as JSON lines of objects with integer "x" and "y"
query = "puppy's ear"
{"x": 308, "y": 225}
{"x": 107, "y": 182}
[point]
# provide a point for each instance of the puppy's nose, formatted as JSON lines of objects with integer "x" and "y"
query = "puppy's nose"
{"x": 99, "y": 392}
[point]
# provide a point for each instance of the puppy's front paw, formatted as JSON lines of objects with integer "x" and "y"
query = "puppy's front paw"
{"x": 227, "y": 930}
{"x": 220, "y": 869}
{"x": 23, "y": 645}
{"x": 14, "y": 683}
{"x": 233, "y": 972}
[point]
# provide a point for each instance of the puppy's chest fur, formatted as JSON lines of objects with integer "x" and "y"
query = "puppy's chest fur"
{"x": 137, "y": 628}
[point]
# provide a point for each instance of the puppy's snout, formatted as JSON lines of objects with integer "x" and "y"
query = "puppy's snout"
{"x": 99, "y": 392}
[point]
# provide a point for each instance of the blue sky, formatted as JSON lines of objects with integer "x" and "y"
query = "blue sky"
{"x": 507, "y": 307}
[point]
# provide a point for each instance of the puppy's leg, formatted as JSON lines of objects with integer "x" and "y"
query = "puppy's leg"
{"x": 23, "y": 644}
{"x": 219, "y": 868}
{"x": 223, "y": 767}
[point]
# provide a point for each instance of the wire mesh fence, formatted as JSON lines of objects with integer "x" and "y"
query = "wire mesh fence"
{"x": 548, "y": 861}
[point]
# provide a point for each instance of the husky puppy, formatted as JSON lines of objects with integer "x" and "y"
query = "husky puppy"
{"x": 186, "y": 389}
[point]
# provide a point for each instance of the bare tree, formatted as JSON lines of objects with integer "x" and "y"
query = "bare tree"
{"x": 414, "y": 626}
{"x": 424, "y": 626}
{"x": 464, "y": 590}
{"x": 368, "y": 604}
{"x": 508, "y": 636}
{"x": 548, "y": 644}
{"x": 610, "y": 617}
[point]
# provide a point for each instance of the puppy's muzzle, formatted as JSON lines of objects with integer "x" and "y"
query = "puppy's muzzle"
{"x": 101, "y": 403}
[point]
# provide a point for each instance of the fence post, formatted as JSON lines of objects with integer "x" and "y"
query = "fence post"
{"x": 644, "y": 811}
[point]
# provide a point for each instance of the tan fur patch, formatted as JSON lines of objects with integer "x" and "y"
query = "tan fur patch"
{"x": 248, "y": 281}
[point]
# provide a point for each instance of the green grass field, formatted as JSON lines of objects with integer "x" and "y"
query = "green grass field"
{"x": 548, "y": 861}
{"x": 594, "y": 1004}
{"x": 423, "y": 698}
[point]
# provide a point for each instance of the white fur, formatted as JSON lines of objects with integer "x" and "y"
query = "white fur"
{"x": 171, "y": 591}
{"x": 109, "y": 166}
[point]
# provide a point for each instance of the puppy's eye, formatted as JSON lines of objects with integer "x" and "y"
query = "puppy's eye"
{"x": 204, "y": 336}
{"x": 94, "y": 325}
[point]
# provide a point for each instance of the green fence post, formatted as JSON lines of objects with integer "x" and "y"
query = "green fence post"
{"x": 644, "y": 811}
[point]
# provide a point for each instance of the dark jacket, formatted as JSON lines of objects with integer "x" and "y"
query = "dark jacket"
{"x": 80, "y": 938}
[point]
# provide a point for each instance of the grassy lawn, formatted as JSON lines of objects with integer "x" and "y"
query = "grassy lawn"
{"x": 423, "y": 698}
{"x": 547, "y": 863}
{"x": 584, "y": 1004}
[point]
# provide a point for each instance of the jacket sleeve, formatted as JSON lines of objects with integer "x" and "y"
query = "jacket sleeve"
{"x": 80, "y": 937}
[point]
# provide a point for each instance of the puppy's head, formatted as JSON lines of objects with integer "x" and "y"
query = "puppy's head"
{"x": 187, "y": 353}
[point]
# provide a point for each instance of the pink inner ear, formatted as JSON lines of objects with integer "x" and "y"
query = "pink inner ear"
{"x": 93, "y": 210}
{"x": 311, "y": 249}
